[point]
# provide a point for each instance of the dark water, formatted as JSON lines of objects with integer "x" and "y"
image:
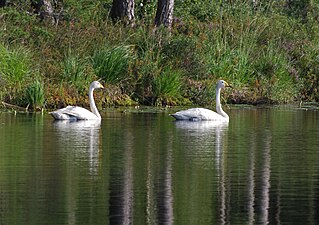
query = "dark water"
{"x": 144, "y": 168}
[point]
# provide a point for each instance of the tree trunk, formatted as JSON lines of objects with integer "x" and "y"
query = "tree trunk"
{"x": 123, "y": 10}
{"x": 164, "y": 13}
{"x": 2, "y": 3}
{"x": 254, "y": 4}
{"x": 45, "y": 9}
{"x": 298, "y": 8}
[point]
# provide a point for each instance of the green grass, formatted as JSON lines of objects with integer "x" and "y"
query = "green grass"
{"x": 75, "y": 71}
{"x": 111, "y": 64}
{"x": 267, "y": 52}
{"x": 35, "y": 95}
{"x": 15, "y": 65}
{"x": 167, "y": 86}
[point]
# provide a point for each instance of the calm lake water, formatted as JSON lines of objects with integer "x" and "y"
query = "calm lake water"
{"x": 145, "y": 168}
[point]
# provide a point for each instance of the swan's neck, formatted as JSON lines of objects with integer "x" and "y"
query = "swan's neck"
{"x": 92, "y": 104}
{"x": 219, "y": 109}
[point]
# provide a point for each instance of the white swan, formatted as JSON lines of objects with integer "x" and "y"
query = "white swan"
{"x": 195, "y": 114}
{"x": 79, "y": 113}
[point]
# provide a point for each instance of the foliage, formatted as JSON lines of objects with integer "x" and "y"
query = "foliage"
{"x": 147, "y": 63}
{"x": 35, "y": 94}
{"x": 185, "y": 53}
{"x": 111, "y": 64}
{"x": 146, "y": 10}
{"x": 167, "y": 85}
{"x": 14, "y": 65}
{"x": 201, "y": 92}
{"x": 75, "y": 71}
{"x": 267, "y": 51}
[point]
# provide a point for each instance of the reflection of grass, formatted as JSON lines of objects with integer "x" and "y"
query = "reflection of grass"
{"x": 111, "y": 64}
{"x": 35, "y": 95}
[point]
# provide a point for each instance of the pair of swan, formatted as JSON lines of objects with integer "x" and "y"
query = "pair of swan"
{"x": 194, "y": 114}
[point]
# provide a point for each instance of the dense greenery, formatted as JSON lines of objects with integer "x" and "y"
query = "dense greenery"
{"x": 269, "y": 52}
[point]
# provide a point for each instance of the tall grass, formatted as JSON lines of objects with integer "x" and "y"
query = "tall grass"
{"x": 271, "y": 67}
{"x": 265, "y": 44}
{"x": 111, "y": 64}
{"x": 187, "y": 55}
{"x": 147, "y": 63}
{"x": 167, "y": 85}
{"x": 35, "y": 95}
{"x": 15, "y": 65}
{"x": 75, "y": 71}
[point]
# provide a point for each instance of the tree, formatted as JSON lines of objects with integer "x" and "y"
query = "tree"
{"x": 123, "y": 10}
{"x": 164, "y": 13}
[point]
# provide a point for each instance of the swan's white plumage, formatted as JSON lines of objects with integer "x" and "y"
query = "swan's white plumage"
{"x": 205, "y": 114}
{"x": 197, "y": 114}
{"x": 79, "y": 113}
{"x": 73, "y": 112}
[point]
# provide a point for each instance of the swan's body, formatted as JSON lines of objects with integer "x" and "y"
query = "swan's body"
{"x": 79, "y": 113}
{"x": 195, "y": 114}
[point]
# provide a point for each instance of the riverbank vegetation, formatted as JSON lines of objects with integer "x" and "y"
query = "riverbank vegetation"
{"x": 269, "y": 52}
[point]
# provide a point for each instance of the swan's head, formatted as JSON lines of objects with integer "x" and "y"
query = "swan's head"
{"x": 96, "y": 85}
{"x": 222, "y": 84}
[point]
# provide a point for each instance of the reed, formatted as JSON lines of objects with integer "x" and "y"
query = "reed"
{"x": 15, "y": 65}
{"x": 35, "y": 95}
{"x": 75, "y": 71}
{"x": 167, "y": 85}
{"x": 242, "y": 43}
{"x": 111, "y": 64}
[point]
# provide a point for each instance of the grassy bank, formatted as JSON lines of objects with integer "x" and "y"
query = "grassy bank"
{"x": 268, "y": 53}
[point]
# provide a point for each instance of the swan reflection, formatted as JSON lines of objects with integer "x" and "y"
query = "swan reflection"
{"x": 80, "y": 137}
{"x": 205, "y": 143}
{"x": 79, "y": 143}
{"x": 202, "y": 137}
{"x": 201, "y": 127}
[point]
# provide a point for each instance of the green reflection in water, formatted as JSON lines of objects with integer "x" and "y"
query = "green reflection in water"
{"x": 145, "y": 168}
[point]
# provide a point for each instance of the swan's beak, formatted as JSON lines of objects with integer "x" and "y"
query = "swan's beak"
{"x": 227, "y": 85}
{"x": 101, "y": 86}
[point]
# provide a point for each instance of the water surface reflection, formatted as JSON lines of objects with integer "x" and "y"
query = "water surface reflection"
{"x": 79, "y": 137}
{"x": 204, "y": 143}
{"x": 79, "y": 143}
{"x": 145, "y": 168}
{"x": 203, "y": 138}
